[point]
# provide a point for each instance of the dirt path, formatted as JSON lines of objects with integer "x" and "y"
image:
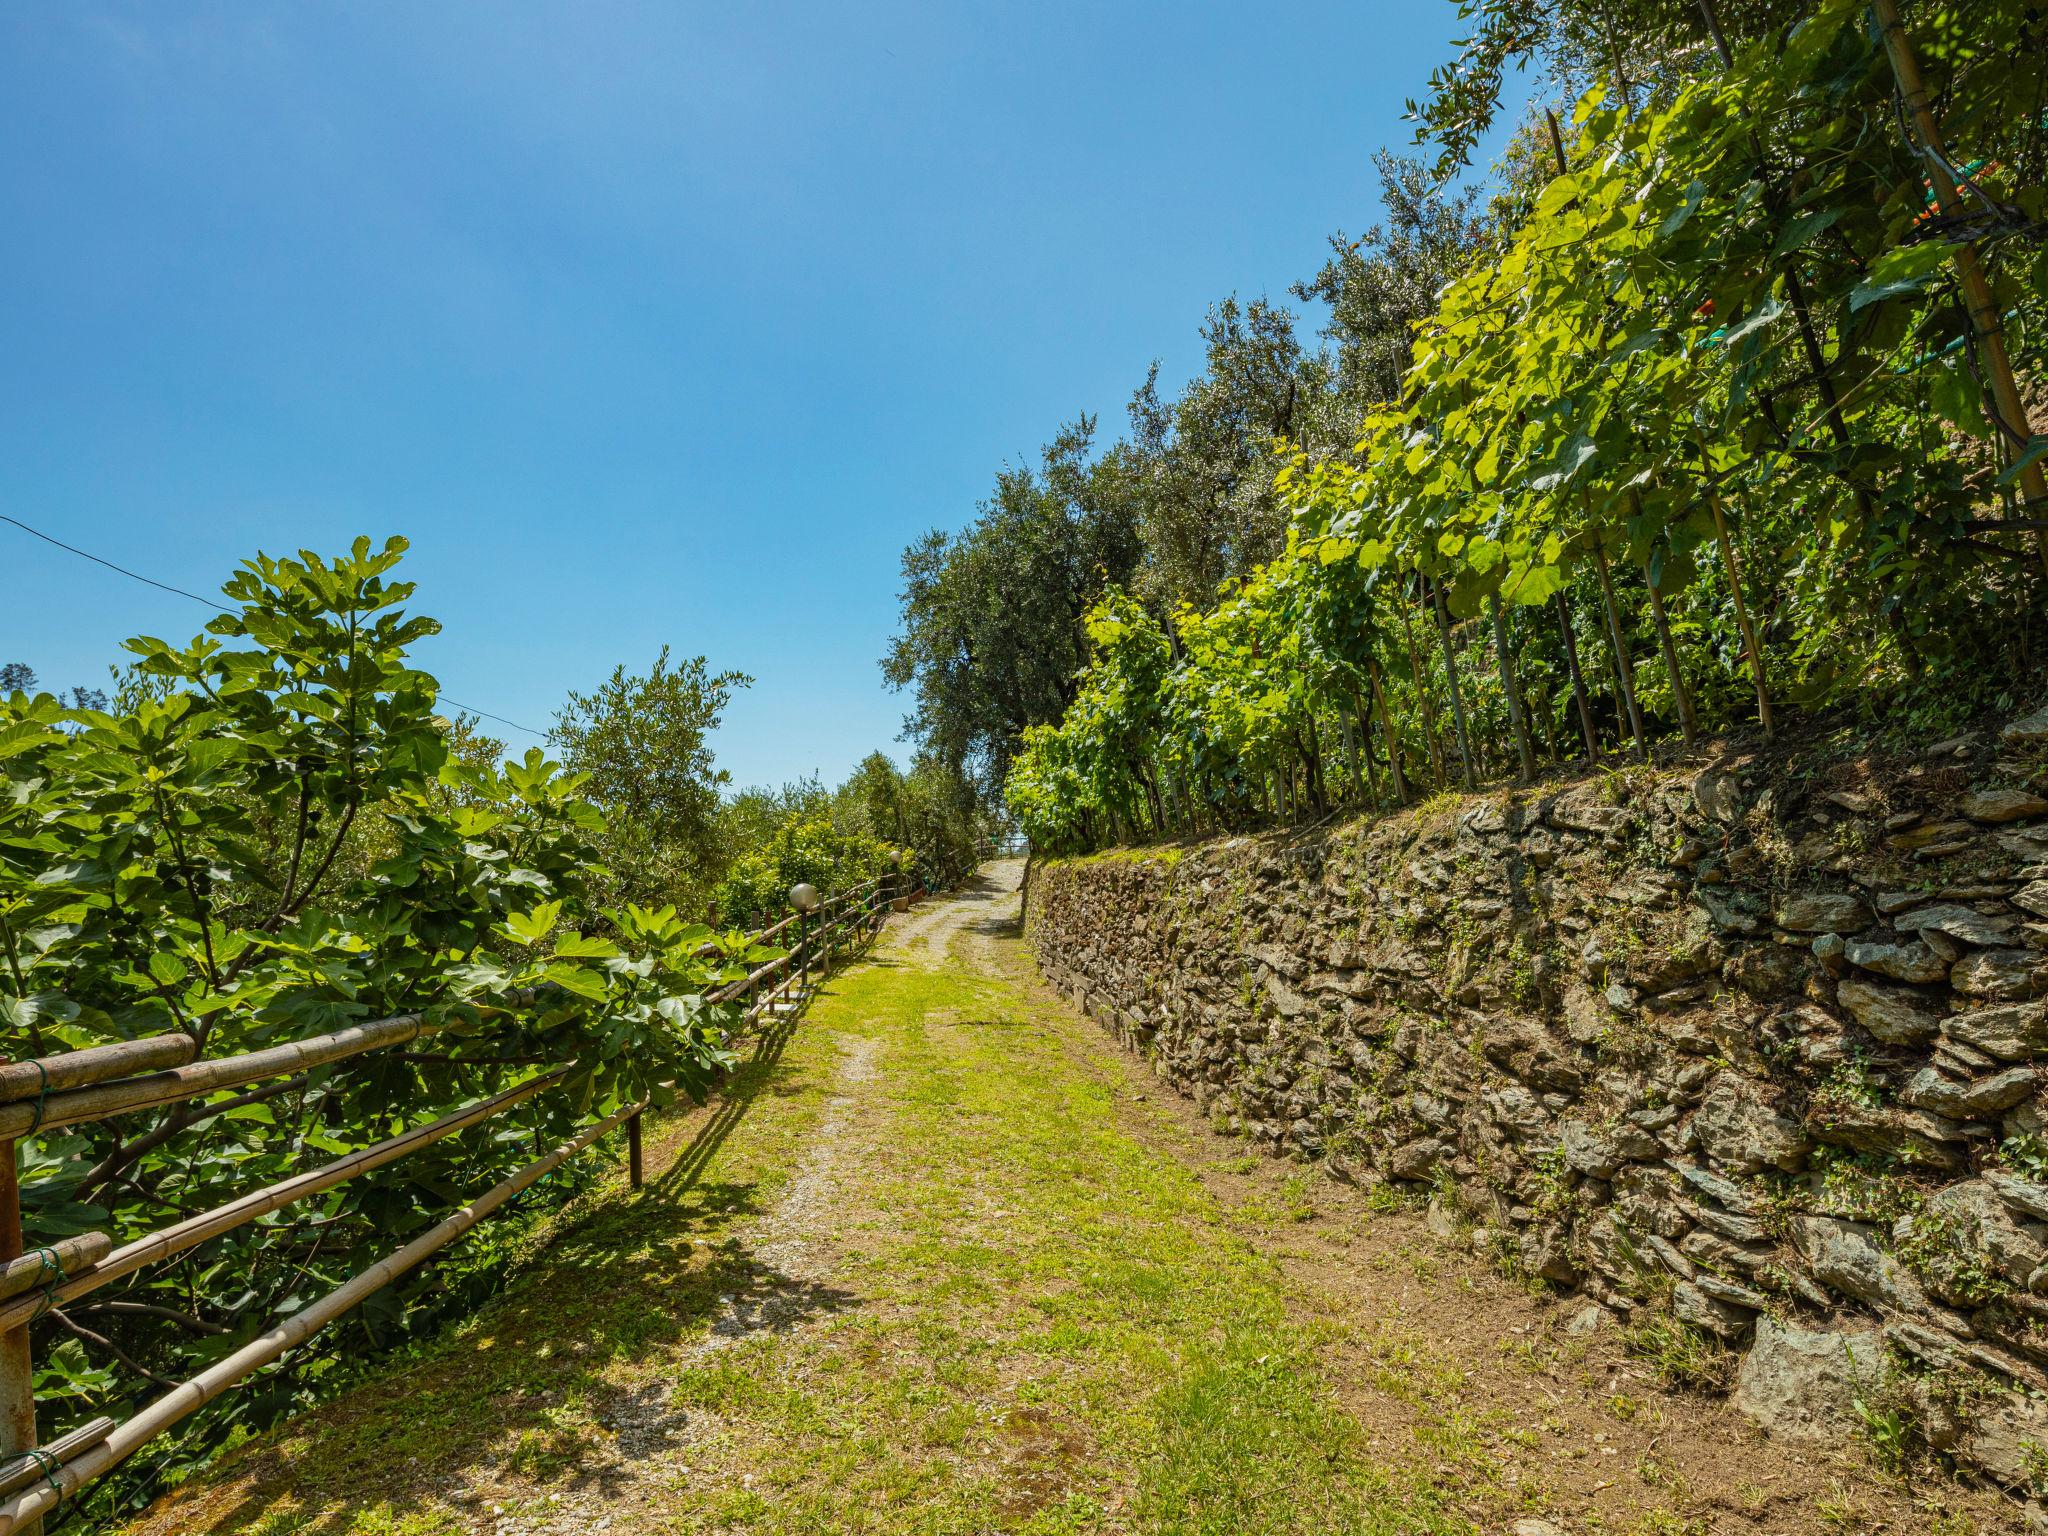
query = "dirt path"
{"x": 945, "y": 1259}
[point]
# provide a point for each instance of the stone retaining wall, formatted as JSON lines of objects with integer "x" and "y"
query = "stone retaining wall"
{"x": 1758, "y": 1045}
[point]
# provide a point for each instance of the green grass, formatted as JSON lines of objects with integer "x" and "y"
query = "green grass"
{"x": 1013, "y": 1314}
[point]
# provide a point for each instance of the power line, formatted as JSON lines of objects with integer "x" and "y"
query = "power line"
{"x": 164, "y": 586}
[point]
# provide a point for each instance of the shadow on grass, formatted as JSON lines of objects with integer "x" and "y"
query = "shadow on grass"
{"x": 521, "y": 1387}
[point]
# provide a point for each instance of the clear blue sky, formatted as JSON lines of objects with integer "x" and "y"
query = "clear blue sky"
{"x": 645, "y": 323}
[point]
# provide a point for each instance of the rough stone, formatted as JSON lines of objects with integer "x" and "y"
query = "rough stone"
{"x": 1892, "y": 1014}
{"x": 1730, "y": 911}
{"x": 1588, "y": 1150}
{"x": 2003, "y": 974}
{"x": 1742, "y": 1131}
{"x": 1518, "y": 1111}
{"x": 1972, "y": 1219}
{"x": 2002, "y": 805}
{"x": 1725, "y": 1192}
{"x": 2013, "y": 1032}
{"x": 1426, "y": 997}
{"x": 1914, "y": 962}
{"x": 1917, "y": 1137}
{"x": 1692, "y": 1305}
{"x": 1977, "y": 1099}
{"x": 1822, "y": 912}
{"x": 1418, "y": 1160}
{"x": 2006, "y": 1435}
{"x": 2023, "y": 1195}
{"x": 1588, "y": 1320}
{"x": 1545, "y": 1252}
{"x": 1287, "y": 1002}
{"x": 1845, "y": 1256}
{"x": 1958, "y": 922}
{"x": 2028, "y": 731}
{"x": 1930, "y": 834}
{"x": 1767, "y": 971}
{"x": 1802, "y": 1384}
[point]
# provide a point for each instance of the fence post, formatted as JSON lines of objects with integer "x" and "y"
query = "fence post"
{"x": 634, "y": 1172}
{"x": 17, "y": 1364}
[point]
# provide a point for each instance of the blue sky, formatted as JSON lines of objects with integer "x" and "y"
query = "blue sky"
{"x": 646, "y": 323}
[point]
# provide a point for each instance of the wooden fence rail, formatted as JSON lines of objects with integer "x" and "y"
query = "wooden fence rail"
{"x": 105, "y": 1081}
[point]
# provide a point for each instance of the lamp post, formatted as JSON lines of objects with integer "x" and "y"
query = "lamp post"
{"x": 804, "y": 897}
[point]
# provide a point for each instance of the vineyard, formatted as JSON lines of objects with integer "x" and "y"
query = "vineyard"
{"x": 301, "y": 996}
{"x": 1735, "y": 419}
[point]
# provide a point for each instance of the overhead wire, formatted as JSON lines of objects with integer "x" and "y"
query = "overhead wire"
{"x": 164, "y": 586}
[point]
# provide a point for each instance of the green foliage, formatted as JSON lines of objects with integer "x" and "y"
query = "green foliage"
{"x": 803, "y": 849}
{"x": 928, "y": 819}
{"x": 991, "y": 638}
{"x": 642, "y": 747}
{"x": 1723, "y": 344}
{"x": 272, "y": 834}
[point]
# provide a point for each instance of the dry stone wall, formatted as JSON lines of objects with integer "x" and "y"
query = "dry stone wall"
{"x": 1757, "y": 1045}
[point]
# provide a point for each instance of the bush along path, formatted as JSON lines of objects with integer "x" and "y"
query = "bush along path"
{"x": 944, "y": 1259}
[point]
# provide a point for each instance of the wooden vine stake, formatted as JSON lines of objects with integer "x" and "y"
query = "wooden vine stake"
{"x": 1429, "y": 730}
{"x": 1749, "y": 640}
{"x": 1672, "y": 671}
{"x": 1443, "y": 629}
{"x": 1351, "y": 768}
{"x": 1686, "y": 723}
{"x": 1624, "y": 669}
{"x": 1513, "y": 685}
{"x": 1379, "y": 698}
{"x": 2007, "y": 411}
{"x": 1571, "y": 658}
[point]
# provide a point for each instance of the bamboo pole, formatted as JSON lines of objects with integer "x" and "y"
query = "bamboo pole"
{"x": 100, "y": 1101}
{"x": 1624, "y": 669}
{"x": 2008, "y": 412}
{"x": 168, "y": 1242}
{"x": 192, "y": 1395}
{"x": 96, "y": 1064}
{"x": 66, "y": 1256}
{"x": 1571, "y": 657}
{"x": 1513, "y": 684}
{"x": 1443, "y": 629}
{"x": 23, "y": 1470}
